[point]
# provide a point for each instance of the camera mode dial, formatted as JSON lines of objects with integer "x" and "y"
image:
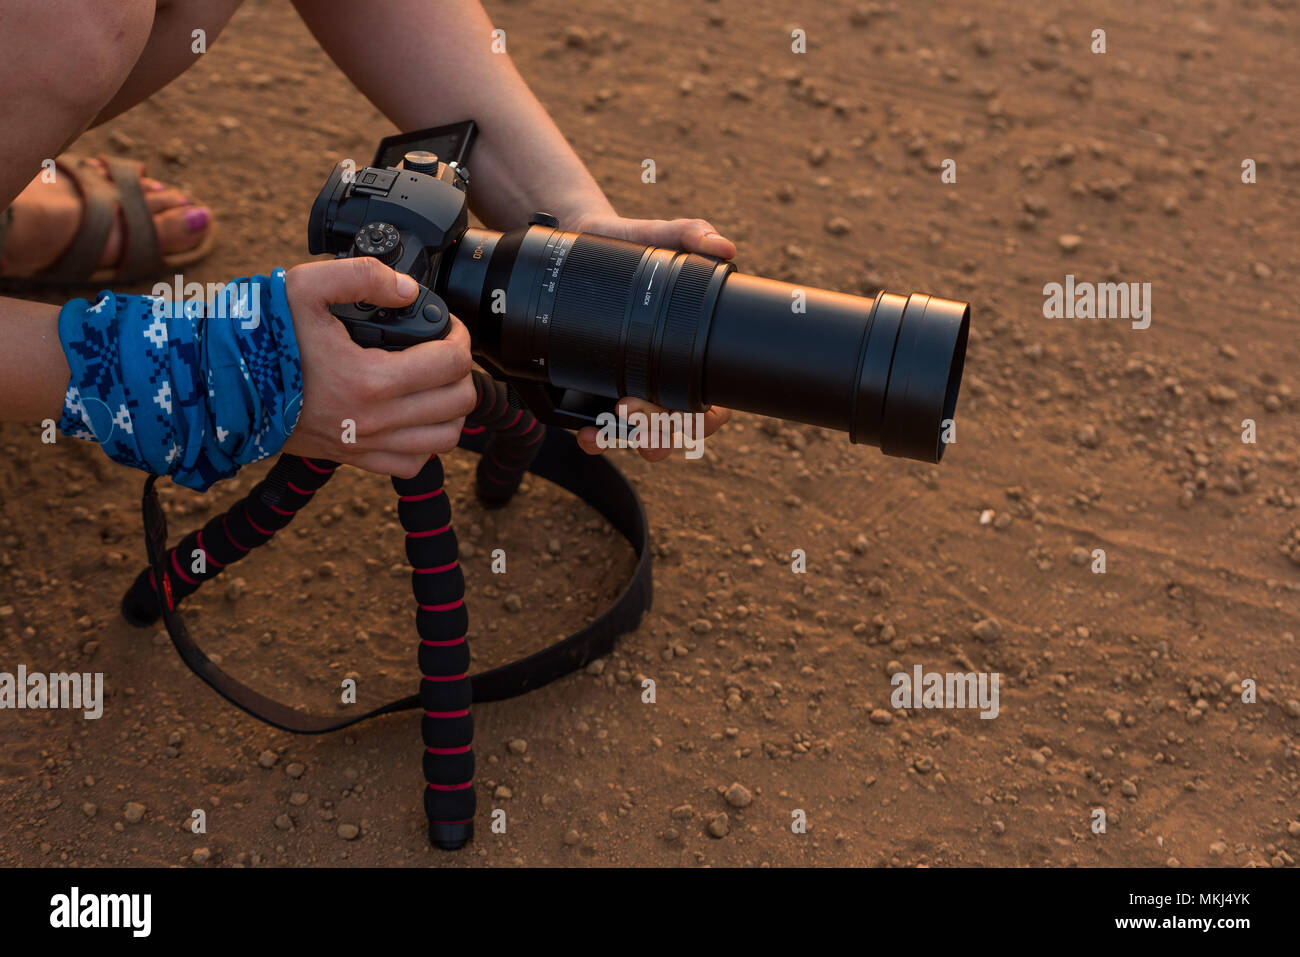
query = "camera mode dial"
{"x": 380, "y": 240}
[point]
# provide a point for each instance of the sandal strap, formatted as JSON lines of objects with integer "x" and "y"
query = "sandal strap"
{"x": 99, "y": 208}
{"x": 103, "y": 194}
{"x": 141, "y": 254}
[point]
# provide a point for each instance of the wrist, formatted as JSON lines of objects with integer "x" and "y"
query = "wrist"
{"x": 577, "y": 210}
{"x": 187, "y": 389}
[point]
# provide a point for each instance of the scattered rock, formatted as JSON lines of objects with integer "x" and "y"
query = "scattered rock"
{"x": 739, "y": 796}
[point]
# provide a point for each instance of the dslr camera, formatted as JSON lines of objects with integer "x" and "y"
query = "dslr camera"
{"x": 572, "y": 321}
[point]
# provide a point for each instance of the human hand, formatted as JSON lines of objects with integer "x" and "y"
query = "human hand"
{"x": 405, "y": 406}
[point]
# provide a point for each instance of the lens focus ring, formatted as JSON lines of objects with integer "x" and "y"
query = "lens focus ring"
{"x": 590, "y": 303}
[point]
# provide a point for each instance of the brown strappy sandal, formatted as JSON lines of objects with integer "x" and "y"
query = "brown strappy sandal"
{"x": 103, "y": 195}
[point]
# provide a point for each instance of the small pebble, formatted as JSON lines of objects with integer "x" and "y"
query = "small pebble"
{"x": 739, "y": 796}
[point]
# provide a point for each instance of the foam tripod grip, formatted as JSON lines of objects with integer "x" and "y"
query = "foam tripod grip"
{"x": 442, "y": 621}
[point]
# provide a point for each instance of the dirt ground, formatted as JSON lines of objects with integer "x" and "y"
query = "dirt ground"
{"x": 1121, "y": 690}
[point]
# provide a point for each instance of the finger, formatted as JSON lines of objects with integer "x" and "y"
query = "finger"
{"x": 692, "y": 235}
{"x": 424, "y": 366}
{"x": 587, "y": 440}
{"x": 362, "y": 278}
{"x": 629, "y": 405}
{"x": 715, "y": 419}
{"x": 391, "y": 463}
{"x": 428, "y": 406}
{"x": 426, "y": 439}
{"x": 699, "y": 236}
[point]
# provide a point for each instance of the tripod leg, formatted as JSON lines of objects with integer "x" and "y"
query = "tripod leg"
{"x": 205, "y": 552}
{"x": 442, "y": 622}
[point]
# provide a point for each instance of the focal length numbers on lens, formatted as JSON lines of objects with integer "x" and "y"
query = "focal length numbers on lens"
{"x": 557, "y": 251}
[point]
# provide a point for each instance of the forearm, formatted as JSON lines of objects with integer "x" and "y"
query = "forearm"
{"x": 33, "y": 370}
{"x": 425, "y": 64}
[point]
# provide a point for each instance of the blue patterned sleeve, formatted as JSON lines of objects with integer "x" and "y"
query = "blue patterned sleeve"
{"x": 189, "y": 389}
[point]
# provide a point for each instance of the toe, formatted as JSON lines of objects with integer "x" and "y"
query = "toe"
{"x": 182, "y": 227}
{"x": 165, "y": 198}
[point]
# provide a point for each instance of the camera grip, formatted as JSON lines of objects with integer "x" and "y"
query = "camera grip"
{"x": 427, "y": 318}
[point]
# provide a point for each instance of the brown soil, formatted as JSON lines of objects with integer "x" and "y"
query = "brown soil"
{"x": 1119, "y": 690}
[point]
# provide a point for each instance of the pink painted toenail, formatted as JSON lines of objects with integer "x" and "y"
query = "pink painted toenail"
{"x": 196, "y": 219}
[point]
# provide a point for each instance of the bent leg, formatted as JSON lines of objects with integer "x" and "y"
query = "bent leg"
{"x": 61, "y": 63}
{"x": 171, "y": 49}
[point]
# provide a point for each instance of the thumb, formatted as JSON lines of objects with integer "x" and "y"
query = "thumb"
{"x": 358, "y": 279}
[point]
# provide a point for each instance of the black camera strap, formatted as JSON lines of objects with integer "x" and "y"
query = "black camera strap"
{"x": 559, "y": 459}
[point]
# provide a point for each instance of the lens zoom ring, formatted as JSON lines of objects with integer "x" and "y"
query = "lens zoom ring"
{"x": 678, "y": 341}
{"x": 590, "y": 303}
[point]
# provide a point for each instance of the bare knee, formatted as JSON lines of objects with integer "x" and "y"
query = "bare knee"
{"x": 69, "y": 57}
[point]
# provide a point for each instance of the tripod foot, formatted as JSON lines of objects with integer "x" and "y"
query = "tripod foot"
{"x": 450, "y": 835}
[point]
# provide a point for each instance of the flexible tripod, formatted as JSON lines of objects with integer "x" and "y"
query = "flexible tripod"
{"x": 512, "y": 442}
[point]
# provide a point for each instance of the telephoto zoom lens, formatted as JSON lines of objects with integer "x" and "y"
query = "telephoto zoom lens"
{"x": 685, "y": 331}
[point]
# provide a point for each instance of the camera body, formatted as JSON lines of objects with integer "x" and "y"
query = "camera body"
{"x": 405, "y": 218}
